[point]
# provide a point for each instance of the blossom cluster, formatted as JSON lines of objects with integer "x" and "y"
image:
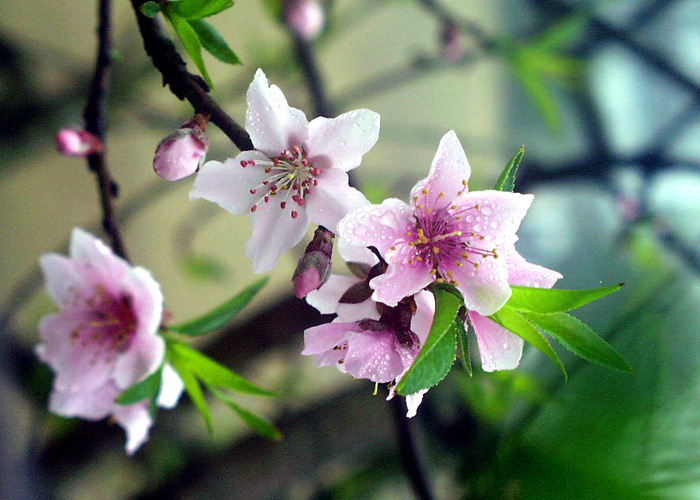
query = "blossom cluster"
{"x": 105, "y": 338}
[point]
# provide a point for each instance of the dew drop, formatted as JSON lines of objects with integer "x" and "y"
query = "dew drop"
{"x": 469, "y": 218}
{"x": 494, "y": 224}
{"x": 477, "y": 228}
{"x": 487, "y": 210}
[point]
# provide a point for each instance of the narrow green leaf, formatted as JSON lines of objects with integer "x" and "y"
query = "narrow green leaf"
{"x": 213, "y": 42}
{"x": 150, "y": 9}
{"x": 190, "y": 40}
{"x": 506, "y": 181}
{"x": 512, "y": 320}
{"x": 561, "y": 34}
{"x": 547, "y": 300}
{"x": 221, "y": 314}
{"x": 196, "y": 9}
{"x": 146, "y": 389}
{"x": 438, "y": 353}
{"x": 212, "y": 373}
{"x": 181, "y": 366}
{"x": 463, "y": 345}
{"x": 259, "y": 424}
{"x": 579, "y": 339}
{"x": 275, "y": 8}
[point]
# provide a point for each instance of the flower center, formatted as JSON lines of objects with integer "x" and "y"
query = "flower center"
{"x": 449, "y": 237}
{"x": 290, "y": 177}
{"x": 110, "y": 325}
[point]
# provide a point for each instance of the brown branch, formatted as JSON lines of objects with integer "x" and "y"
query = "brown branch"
{"x": 95, "y": 123}
{"x": 182, "y": 83}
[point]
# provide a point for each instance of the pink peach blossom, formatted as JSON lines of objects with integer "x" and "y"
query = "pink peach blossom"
{"x": 297, "y": 174}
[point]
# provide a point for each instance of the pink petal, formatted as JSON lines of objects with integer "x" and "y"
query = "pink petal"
{"x": 448, "y": 174}
{"x": 136, "y": 422}
{"x": 274, "y": 233}
{"x": 143, "y": 357}
{"x": 425, "y": 311}
{"x": 354, "y": 253}
{"x": 321, "y": 338}
{"x": 146, "y": 300}
{"x": 499, "y": 215}
{"x": 340, "y": 142}
{"x": 333, "y": 357}
{"x": 63, "y": 282}
{"x": 333, "y": 199}
{"x": 272, "y": 124}
{"x": 96, "y": 261}
{"x": 228, "y": 184}
{"x": 485, "y": 289}
{"x": 372, "y": 355}
{"x": 523, "y": 273}
{"x": 90, "y": 405}
{"x": 357, "y": 312}
{"x": 499, "y": 348}
{"x": 377, "y": 225}
{"x": 400, "y": 279}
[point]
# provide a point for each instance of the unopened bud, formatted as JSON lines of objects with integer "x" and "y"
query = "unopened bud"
{"x": 452, "y": 45}
{"x": 75, "y": 142}
{"x": 314, "y": 267}
{"x": 182, "y": 152}
{"x": 305, "y": 18}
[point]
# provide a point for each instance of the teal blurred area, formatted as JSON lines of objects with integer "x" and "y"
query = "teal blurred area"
{"x": 605, "y": 95}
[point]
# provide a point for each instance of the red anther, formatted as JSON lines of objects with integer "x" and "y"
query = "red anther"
{"x": 267, "y": 198}
{"x": 305, "y": 162}
{"x": 266, "y": 182}
{"x": 300, "y": 201}
{"x": 251, "y": 162}
{"x": 276, "y": 161}
{"x": 283, "y": 205}
{"x": 294, "y": 214}
{"x": 244, "y": 163}
{"x": 274, "y": 188}
{"x": 253, "y": 191}
{"x": 253, "y": 208}
{"x": 297, "y": 149}
{"x": 315, "y": 182}
{"x": 295, "y": 198}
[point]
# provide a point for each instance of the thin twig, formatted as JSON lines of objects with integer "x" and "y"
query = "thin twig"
{"x": 182, "y": 83}
{"x": 95, "y": 123}
{"x": 407, "y": 451}
{"x": 307, "y": 60}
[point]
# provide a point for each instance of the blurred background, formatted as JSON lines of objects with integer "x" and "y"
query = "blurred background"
{"x": 605, "y": 95}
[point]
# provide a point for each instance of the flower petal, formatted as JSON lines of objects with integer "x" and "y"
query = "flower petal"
{"x": 523, "y": 273}
{"x": 90, "y": 405}
{"x": 272, "y": 124}
{"x": 321, "y": 338}
{"x": 485, "y": 289}
{"x": 171, "y": 388}
{"x": 136, "y": 422}
{"x": 425, "y": 311}
{"x": 228, "y": 184}
{"x": 372, "y": 355}
{"x": 274, "y": 233}
{"x": 498, "y": 217}
{"x": 448, "y": 174}
{"x": 141, "y": 359}
{"x": 332, "y": 199}
{"x": 63, "y": 281}
{"x": 96, "y": 261}
{"x": 400, "y": 279}
{"x": 377, "y": 225}
{"x": 340, "y": 142}
{"x": 499, "y": 348}
{"x": 326, "y": 298}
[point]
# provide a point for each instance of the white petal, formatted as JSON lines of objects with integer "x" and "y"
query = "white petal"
{"x": 171, "y": 388}
{"x": 354, "y": 253}
{"x": 144, "y": 356}
{"x": 228, "y": 184}
{"x": 64, "y": 283}
{"x": 377, "y": 225}
{"x": 449, "y": 173}
{"x": 90, "y": 405}
{"x": 274, "y": 233}
{"x": 272, "y": 124}
{"x": 485, "y": 289}
{"x": 326, "y": 298}
{"x": 136, "y": 422}
{"x": 96, "y": 260}
{"x": 332, "y": 199}
{"x": 340, "y": 142}
{"x": 499, "y": 348}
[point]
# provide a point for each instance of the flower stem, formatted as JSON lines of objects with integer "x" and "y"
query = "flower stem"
{"x": 407, "y": 450}
{"x": 95, "y": 123}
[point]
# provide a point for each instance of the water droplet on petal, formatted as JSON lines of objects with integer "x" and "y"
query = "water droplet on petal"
{"x": 487, "y": 210}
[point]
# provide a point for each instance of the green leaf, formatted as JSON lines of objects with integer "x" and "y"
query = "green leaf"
{"x": 506, "y": 182}
{"x": 512, "y": 320}
{"x": 190, "y": 40}
{"x": 548, "y": 301}
{"x": 203, "y": 268}
{"x": 275, "y": 8}
{"x": 579, "y": 339}
{"x": 146, "y": 389}
{"x": 561, "y": 34}
{"x": 196, "y": 9}
{"x": 213, "y": 42}
{"x": 463, "y": 345}
{"x": 221, "y": 314}
{"x": 150, "y": 9}
{"x": 438, "y": 353}
{"x": 192, "y": 386}
{"x": 213, "y": 373}
{"x": 261, "y": 426}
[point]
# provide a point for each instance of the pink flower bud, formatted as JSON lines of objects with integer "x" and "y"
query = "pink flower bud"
{"x": 182, "y": 152}
{"x": 75, "y": 142}
{"x": 314, "y": 267}
{"x": 305, "y": 18}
